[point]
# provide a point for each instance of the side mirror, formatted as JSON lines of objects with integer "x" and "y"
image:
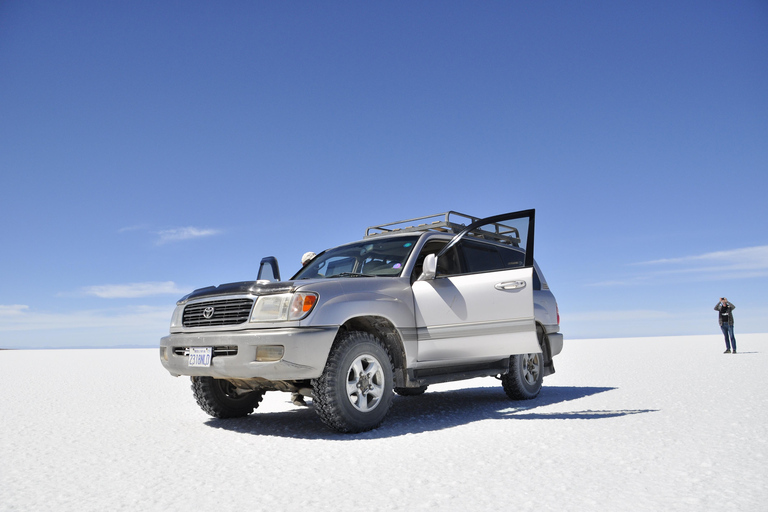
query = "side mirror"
{"x": 430, "y": 268}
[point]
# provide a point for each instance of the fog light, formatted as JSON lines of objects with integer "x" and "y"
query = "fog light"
{"x": 269, "y": 353}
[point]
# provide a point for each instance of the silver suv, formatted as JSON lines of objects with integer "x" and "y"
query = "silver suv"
{"x": 417, "y": 302}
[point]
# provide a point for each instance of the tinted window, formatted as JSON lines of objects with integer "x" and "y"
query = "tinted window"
{"x": 431, "y": 247}
{"x": 447, "y": 265}
{"x": 482, "y": 257}
{"x": 513, "y": 258}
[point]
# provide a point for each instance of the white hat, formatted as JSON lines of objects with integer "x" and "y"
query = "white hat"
{"x": 307, "y": 256}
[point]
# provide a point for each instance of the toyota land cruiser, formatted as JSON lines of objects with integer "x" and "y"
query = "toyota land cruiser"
{"x": 416, "y": 302}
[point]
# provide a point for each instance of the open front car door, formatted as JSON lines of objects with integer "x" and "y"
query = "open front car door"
{"x": 474, "y": 301}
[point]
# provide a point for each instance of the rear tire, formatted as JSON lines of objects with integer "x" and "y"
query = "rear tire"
{"x": 526, "y": 372}
{"x": 354, "y": 393}
{"x": 523, "y": 382}
{"x": 221, "y": 399}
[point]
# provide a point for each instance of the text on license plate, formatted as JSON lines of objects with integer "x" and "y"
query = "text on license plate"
{"x": 200, "y": 356}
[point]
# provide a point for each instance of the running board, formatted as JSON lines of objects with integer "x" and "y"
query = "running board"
{"x": 436, "y": 375}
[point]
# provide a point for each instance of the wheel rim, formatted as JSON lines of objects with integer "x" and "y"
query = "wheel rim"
{"x": 531, "y": 368}
{"x": 365, "y": 383}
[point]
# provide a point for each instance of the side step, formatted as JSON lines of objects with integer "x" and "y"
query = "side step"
{"x": 436, "y": 375}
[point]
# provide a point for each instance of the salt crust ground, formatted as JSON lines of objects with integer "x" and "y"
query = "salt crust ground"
{"x": 624, "y": 424}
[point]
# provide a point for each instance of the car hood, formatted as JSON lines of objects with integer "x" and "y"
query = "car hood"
{"x": 242, "y": 287}
{"x": 271, "y": 288}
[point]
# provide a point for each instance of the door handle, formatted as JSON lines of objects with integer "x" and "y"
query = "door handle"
{"x": 510, "y": 285}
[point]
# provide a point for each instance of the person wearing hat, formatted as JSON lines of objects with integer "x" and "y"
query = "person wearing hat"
{"x": 308, "y": 256}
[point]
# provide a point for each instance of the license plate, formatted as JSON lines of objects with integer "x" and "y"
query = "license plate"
{"x": 200, "y": 356}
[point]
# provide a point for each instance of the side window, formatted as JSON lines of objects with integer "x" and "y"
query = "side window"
{"x": 429, "y": 248}
{"x": 482, "y": 257}
{"x": 447, "y": 265}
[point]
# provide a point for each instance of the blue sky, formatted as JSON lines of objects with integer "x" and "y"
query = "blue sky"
{"x": 148, "y": 148}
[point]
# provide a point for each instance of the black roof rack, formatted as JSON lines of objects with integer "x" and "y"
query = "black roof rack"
{"x": 448, "y": 222}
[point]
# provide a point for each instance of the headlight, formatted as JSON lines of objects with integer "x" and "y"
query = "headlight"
{"x": 284, "y": 306}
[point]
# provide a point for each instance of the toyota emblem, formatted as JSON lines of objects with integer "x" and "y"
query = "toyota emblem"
{"x": 208, "y": 312}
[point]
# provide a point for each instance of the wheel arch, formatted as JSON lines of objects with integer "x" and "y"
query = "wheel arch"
{"x": 387, "y": 334}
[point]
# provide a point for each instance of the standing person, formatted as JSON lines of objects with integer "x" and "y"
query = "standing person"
{"x": 296, "y": 397}
{"x": 725, "y": 317}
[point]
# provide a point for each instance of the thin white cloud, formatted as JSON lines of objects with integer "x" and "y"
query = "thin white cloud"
{"x": 132, "y": 318}
{"x": 131, "y": 228}
{"x": 13, "y": 310}
{"x": 742, "y": 263}
{"x": 133, "y": 290}
{"x": 747, "y": 258}
{"x": 187, "y": 233}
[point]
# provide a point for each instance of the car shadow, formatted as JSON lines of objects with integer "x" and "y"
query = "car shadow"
{"x": 432, "y": 411}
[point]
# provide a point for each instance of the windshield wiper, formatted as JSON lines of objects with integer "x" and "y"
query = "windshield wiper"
{"x": 351, "y": 274}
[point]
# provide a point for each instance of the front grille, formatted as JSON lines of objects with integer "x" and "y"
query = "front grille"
{"x": 229, "y": 350}
{"x": 220, "y": 312}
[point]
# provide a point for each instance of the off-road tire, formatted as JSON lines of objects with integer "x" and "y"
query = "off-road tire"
{"x": 526, "y": 372}
{"x": 523, "y": 382}
{"x": 354, "y": 393}
{"x": 411, "y": 391}
{"x": 221, "y": 399}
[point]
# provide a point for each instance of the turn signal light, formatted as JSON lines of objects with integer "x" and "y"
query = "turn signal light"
{"x": 301, "y": 305}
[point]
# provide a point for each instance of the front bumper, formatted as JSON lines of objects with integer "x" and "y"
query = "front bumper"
{"x": 306, "y": 352}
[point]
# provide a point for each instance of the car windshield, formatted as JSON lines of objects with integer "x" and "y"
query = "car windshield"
{"x": 369, "y": 258}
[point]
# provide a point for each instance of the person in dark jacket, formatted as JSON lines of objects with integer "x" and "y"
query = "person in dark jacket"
{"x": 725, "y": 317}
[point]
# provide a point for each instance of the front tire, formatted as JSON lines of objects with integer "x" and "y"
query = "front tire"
{"x": 221, "y": 399}
{"x": 354, "y": 393}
